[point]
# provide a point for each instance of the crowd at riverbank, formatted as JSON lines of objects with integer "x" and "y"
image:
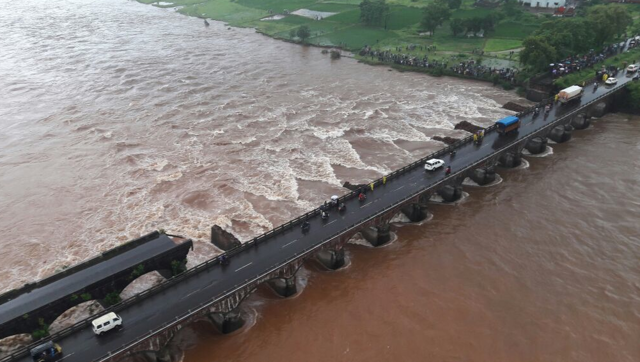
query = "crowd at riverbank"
{"x": 579, "y": 62}
{"x": 453, "y": 64}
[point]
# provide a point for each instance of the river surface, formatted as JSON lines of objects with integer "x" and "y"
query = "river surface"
{"x": 119, "y": 118}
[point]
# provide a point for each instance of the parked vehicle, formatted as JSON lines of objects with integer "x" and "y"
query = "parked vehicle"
{"x": 611, "y": 81}
{"x": 46, "y": 352}
{"x": 568, "y": 94}
{"x": 632, "y": 68}
{"x": 106, "y": 323}
{"x": 433, "y": 164}
{"x": 508, "y": 125}
{"x": 636, "y": 77}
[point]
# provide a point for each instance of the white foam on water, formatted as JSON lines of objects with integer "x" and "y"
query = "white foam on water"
{"x": 437, "y": 199}
{"x": 400, "y": 218}
{"x": 419, "y": 223}
{"x": 523, "y": 165}
{"x": 358, "y": 239}
{"x": 547, "y": 152}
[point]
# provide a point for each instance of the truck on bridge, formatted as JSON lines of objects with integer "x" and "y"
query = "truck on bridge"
{"x": 508, "y": 125}
{"x": 568, "y": 94}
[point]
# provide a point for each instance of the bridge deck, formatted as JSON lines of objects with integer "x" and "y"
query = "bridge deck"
{"x": 212, "y": 283}
{"x": 45, "y": 294}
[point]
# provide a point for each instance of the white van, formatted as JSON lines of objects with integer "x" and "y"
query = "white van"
{"x": 106, "y": 323}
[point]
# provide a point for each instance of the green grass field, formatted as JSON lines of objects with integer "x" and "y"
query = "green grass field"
{"x": 344, "y": 28}
{"x": 497, "y": 45}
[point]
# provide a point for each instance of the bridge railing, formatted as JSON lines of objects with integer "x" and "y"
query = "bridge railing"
{"x": 307, "y": 252}
{"x": 214, "y": 261}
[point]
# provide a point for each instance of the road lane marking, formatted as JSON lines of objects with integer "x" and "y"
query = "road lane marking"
{"x": 329, "y": 223}
{"x": 190, "y": 294}
{"x": 399, "y": 188}
{"x": 367, "y": 204}
{"x": 68, "y": 355}
{"x": 289, "y": 243}
{"x": 242, "y": 267}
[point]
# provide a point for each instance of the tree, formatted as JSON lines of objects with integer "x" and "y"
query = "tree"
{"x": 488, "y": 23}
{"x": 472, "y": 24}
{"x": 511, "y": 8}
{"x": 454, "y": 4}
{"x": 303, "y": 33}
{"x": 434, "y": 15}
{"x": 292, "y": 33}
{"x": 457, "y": 26}
{"x": 537, "y": 53}
{"x": 608, "y": 21}
{"x": 374, "y": 12}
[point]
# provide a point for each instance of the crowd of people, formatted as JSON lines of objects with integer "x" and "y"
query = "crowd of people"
{"x": 578, "y": 62}
{"x": 468, "y": 68}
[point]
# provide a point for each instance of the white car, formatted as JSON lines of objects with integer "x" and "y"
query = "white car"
{"x": 433, "y": 164}
{"x": 632, "y": 68}
{"x": 106, "y": 323}
{"x": 611, "y": 81}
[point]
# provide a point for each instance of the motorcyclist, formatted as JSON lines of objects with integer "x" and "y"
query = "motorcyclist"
{"x": 324, "y": 215}
{"x": 536, "y": 111}
{"x": 305, "y": 225}
{"x": 595, "y": 85}
{"x": 224, "y": 259}
{"x": 447, "y": 170}
{"x": 362, "y": 196}
{"x": 547, "y": 109}
{"x": 342, "y": 207}
{"x": 453, "y": 152}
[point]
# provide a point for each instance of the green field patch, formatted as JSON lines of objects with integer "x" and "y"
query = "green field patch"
{"x": 224, "y": 10}
{"x": 292, "y": 20}
{"x": 403, "y": 17}
{"x": 355, "y": 37}
{"x": 332, "y": 8}
{"x": 496, "y": 45}
{"x": 346, "y": 17}
{"x": 277, "y": 6}
{"x": 351, "y": 2}
{"x": 513, "y": 30}
{"x": 410, "y": 3}
{"x": 470, "y": 13}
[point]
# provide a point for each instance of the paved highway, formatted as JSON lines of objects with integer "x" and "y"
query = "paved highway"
{"x": 213, "y": 282}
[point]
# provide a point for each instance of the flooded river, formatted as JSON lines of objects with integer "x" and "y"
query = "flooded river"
{"x": 119, "y": 118}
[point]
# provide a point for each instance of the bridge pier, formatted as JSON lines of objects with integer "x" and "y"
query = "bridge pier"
{"x": 377, "y": 235}
{"x": 284, "y": 287}
{"x": 561, "y": 133}
{"x": 332, "y": 259}
{"x": 582, "y": 121}
{"x": 598, "y": 110}
{"x": 483, "y": 176}
{"x": 450, "y": 193}
{"x": 536, "y": 145}
{"x": 510, "y": 159}
{"x": 227, "y": 322}
{"x": 416, "y": 212}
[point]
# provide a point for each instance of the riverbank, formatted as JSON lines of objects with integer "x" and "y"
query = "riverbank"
{"x": 337, "y": 24}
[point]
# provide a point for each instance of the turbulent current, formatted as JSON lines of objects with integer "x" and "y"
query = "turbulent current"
{"x": 119, "y": 118}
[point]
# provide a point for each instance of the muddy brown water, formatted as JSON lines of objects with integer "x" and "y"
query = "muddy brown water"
{"x": 119, "y": 118}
